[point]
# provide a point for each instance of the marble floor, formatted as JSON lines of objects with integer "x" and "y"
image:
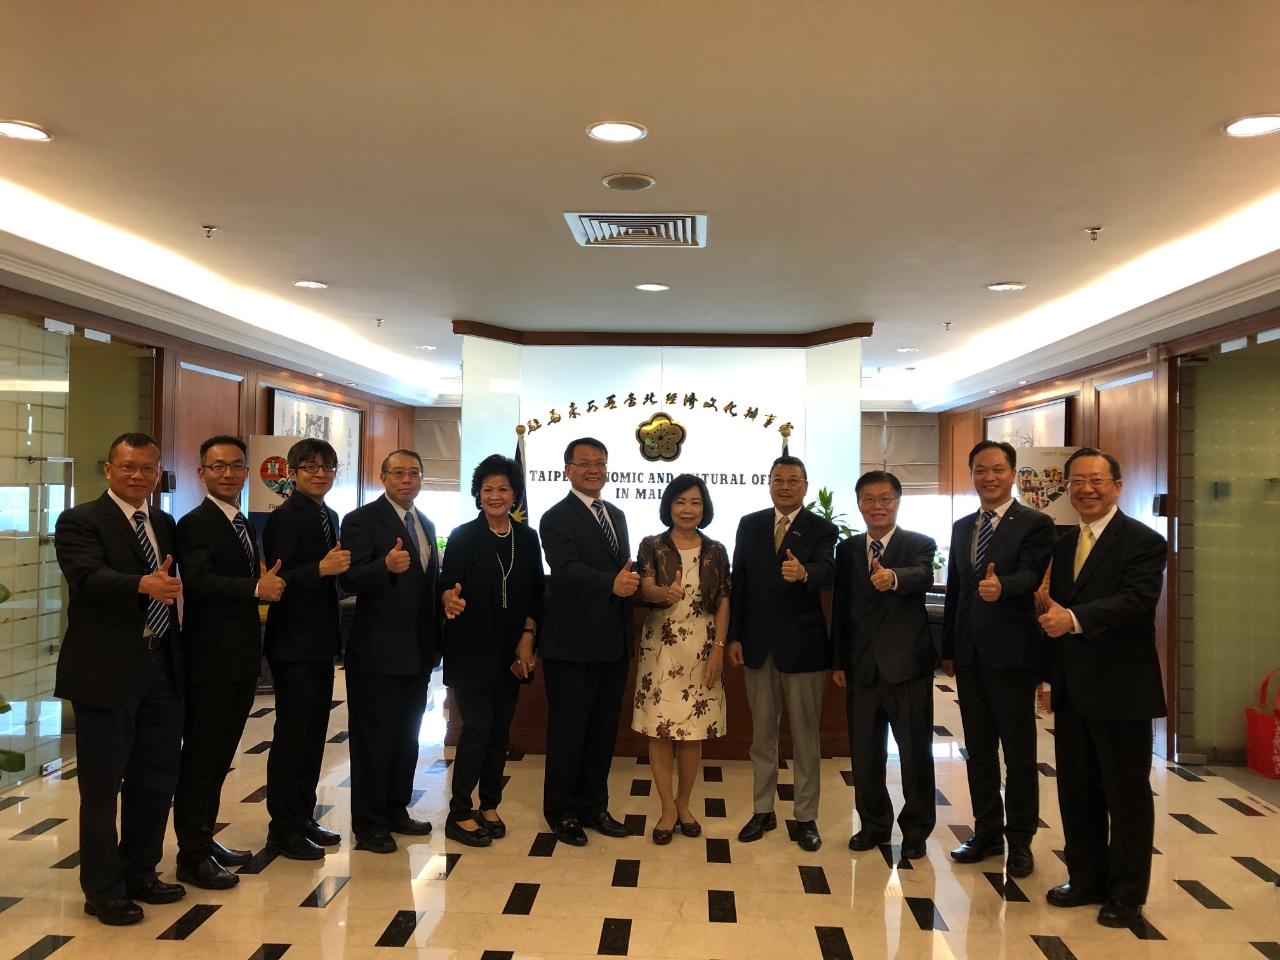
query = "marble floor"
{"x": 1215, "y": 891}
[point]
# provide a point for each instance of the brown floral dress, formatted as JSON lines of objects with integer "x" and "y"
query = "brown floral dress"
{"x": 671, "y": 700}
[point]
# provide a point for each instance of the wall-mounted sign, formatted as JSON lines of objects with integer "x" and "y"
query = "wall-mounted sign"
{"x": 660, "y": 438}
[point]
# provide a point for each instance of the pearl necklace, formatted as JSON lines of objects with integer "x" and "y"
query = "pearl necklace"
{"x": 511, "y": 564}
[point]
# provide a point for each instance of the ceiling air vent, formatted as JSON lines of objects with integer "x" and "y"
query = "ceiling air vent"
{"x": 638, "y": 229}
{"x": 629, "y": 181}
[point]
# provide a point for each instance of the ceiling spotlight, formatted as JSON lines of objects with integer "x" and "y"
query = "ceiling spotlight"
{"x": 990, "y": 393}
{"x": 311, "y": 284}
{"x": 1022, "y": 383}
{"x": 617, "y": 131}
{"x": 652, "y": 287}
{"x": 424, "y": 346}
{"x": 319, "y": 374}
{"x": 1253, "y": 126}
{"x": 629, "y": 181}
{"x": 21, "y": 130}
{"x": 1006, "y": 286}
{"x": 908, "y": 349}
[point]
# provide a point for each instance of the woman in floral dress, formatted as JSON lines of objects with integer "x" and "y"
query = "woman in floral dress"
{"x": 679, "y": 702}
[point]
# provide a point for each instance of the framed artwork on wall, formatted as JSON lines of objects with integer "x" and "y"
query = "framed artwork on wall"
{"x": 295, "y": 415}
{"x": 1040, "y": 426}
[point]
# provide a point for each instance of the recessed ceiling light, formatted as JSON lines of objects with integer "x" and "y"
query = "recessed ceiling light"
{"x": 351, "y": 383}
{"x": 617, "y": 131}
{"x": 319, "y": 374}
{"x": 311, "y": 284}
{"x": 1253, "y": 126}
{"x": 652, "y": 287}
{"x": 990, "y": 392}
{"x": 1006, "y": 286}
{"x": 21, "y": 130}
{"x": 908, "y": 349}
{"x": 424, "y": 346}
{"x": 1022, "y": 383}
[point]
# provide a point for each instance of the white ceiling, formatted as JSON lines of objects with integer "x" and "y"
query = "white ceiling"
{"x": 858, "y": 162}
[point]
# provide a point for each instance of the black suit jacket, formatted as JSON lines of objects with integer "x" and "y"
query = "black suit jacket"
{"x": 303, "y": 626}
{"x": 585, "y": 620}
{"x": 395, "y": 630}
{"x": 769, "y": 616}
{"x": 480, "y": 643}
{"x": 1003, "y": 634}
{"x": 103, "y": 658}
{"x": 1111, "y": 671}
{"x": 221, "y": 631}
{"x": 885, "y": 633}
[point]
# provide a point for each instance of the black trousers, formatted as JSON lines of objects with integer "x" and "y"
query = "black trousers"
{"x": 998, "y": 709}
{"x": 1104, "y": 795}
{"x": 211, "y": 730}
{"x": 907, "y": 708}
{"x": 128, "y": 752}
{"x": 481, "y": 754}
{"x": 385, "y": 715}
{"x": 583, "y": 703}
{"x": 304, "y": 691}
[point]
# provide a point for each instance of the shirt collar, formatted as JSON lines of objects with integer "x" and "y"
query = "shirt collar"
{"x": 884, "y": 541}
{"x": 400, "y": 511}
{"x": 1097, "y": 526}
{"x": 586, "y": 498}
{"x": 128, "y": 508}
{"x": 1000, "y": 510}
{"x": 791, "y": 517}
{"x": 226, "y": 508}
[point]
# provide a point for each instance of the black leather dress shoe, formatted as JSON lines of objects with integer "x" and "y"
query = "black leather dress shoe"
{"x": 570, "y": 831}
{"x": 756, "y": 827}
{"x": 319, "y": 835}
{"x": 603, "y": 822}
{"x": 1116, "y": 914}
{"x": 155, "y": 890}
{"x": 208, "y": 874}
{"x": 974, "y": 850}
{"x": 1020, "y": 863}
{"x": 114, "y": 913}
{"x": 229, "y": 857}
{"x": 409, "y": 827}
{"x": 376, "y": 842}
{"x": 1068, "y": 895}
{"x": 913, "y": 849}
{"x": 495, "y": 827}
{"x": 294, "y": 846}
{"x": 479, "y": 837}
{"x": 866, "y": 840}
{"x": 807, "y": 835}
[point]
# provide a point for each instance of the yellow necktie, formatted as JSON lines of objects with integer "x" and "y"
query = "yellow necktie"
{"x": 1083, "y": 546}
{"x": 779, "y": 532}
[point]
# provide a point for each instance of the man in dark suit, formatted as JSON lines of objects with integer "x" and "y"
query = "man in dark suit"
{"x": 884, "y": 654}
{"x": 395, "y": 642}
{"x": 991, "y": 644}
{"x": 1107, "y": 577}
{"x": 300, "y": 540}
{"x": 121, "y": 668}
{"x": 222, "y": 644}
{"x": 781, "y": 562}
{"x": 585, "y": 645}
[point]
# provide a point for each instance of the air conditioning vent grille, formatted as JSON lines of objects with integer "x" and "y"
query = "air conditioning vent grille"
{"x": 638, "y": 229}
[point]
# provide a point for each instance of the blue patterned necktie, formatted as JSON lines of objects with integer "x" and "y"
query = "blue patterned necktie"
{"x": 985, "y": 530}
{"x": 410, "y": 523}
{"x": 242, "y": 532}
{"x": 877, "y": 549}
{"x": 326, "y": 526}
{"x": 157, "y": 611}
{"x": 603, "y": 520}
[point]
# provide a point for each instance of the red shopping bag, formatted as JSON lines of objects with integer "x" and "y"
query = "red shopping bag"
{"x": 1264, "y": 732}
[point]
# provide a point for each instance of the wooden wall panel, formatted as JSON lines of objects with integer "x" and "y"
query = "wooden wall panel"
{"x": 1126, "y": 415}
{"x": 204, "y": 404}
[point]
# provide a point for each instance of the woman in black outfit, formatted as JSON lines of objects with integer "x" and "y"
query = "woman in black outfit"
{"x": 491, "y": 590}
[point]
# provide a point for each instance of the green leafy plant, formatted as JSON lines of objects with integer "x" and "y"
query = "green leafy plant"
{"x": 824, "y": 507}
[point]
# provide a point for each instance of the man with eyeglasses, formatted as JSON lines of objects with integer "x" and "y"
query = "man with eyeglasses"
{"x": 223, "y": 584}
{"x": 991, "y": 643}
{"x": 781, "y": 562}
{"x": 884, "y": 655}
{"x": 300, "y": 541}
{"x": 394, "y": 645}
{"x": 121, "y": 668}
{"x": 1107, "y": 577}
{"x": 585, "y": 645}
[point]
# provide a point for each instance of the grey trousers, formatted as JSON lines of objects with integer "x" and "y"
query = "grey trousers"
{"x": 766, "y": 690}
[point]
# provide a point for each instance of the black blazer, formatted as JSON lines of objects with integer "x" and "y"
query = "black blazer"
{"x": 303, "y": 626}
{"x": 395, "y": 630}
{"x": 221, "y": 631}
{"x": 769, "y": 616}
{"x": 885, "y": 632}
{"x": 1004, "y": 634}
{"x": 103, "y": 658}
{"x": 1112, "y": 670}
{"x": 585, "y": 620}
{"x": 480, "y": 643}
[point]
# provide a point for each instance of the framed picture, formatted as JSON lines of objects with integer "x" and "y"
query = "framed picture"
{"x": 294, "y": 415}
{"x": 1041, "y": 426}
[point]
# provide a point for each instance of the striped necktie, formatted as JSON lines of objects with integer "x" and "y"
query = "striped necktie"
{"x": 246, "y": 544}
{"x": 877, "y": 549}
{"x": 1083, "y": 546}
{"x": 780, "y": 533}
{"x": 157, "y": 611}
{"x": 985, "y": 530}
{"x": 326, "y": 526}
{"x": 603, "y": 520}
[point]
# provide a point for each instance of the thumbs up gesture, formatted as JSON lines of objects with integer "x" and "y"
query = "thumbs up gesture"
{"x": 1057, "y": 620}
{"x": 270, "y": 586}
{"x": 989, "y": 587}
{"x": 793, "y": 570}
{"x": 160, "y": 585}
{"x": 398, "y": 557}
{"x": 452, "y": 601}
{"x": 336, "y": 561}
{"x": 626, "y": 582}
{"x": 675, "y": 592}
{"x": 882, "y": 579}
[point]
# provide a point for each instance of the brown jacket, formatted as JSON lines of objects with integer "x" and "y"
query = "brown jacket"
{"x": 659, "y": 558}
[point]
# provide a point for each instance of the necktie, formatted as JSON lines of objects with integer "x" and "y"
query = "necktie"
{"x": 1083, "y": 546}
{"x": 603, "y": 520}
{"x": 326, "y": 526}
{"x": 242, "y": 531}
{"x": 780, "y": 533}
{"x": 985, "y": 530}
{"x": 877, "y": 548}
{"x": 410, "y": 523}
{"x": 157, "y": 613}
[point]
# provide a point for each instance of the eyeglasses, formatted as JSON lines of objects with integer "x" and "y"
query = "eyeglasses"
{"x": 311, "y": 469}
{"x": 130, "y": 469}
{"x": 1075, "y": 483}
{"x": 219, "y": 467}
{"x": 589, "y": 464}
{"x": 886, "y": 500}
{"x": 404, "y": 474}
